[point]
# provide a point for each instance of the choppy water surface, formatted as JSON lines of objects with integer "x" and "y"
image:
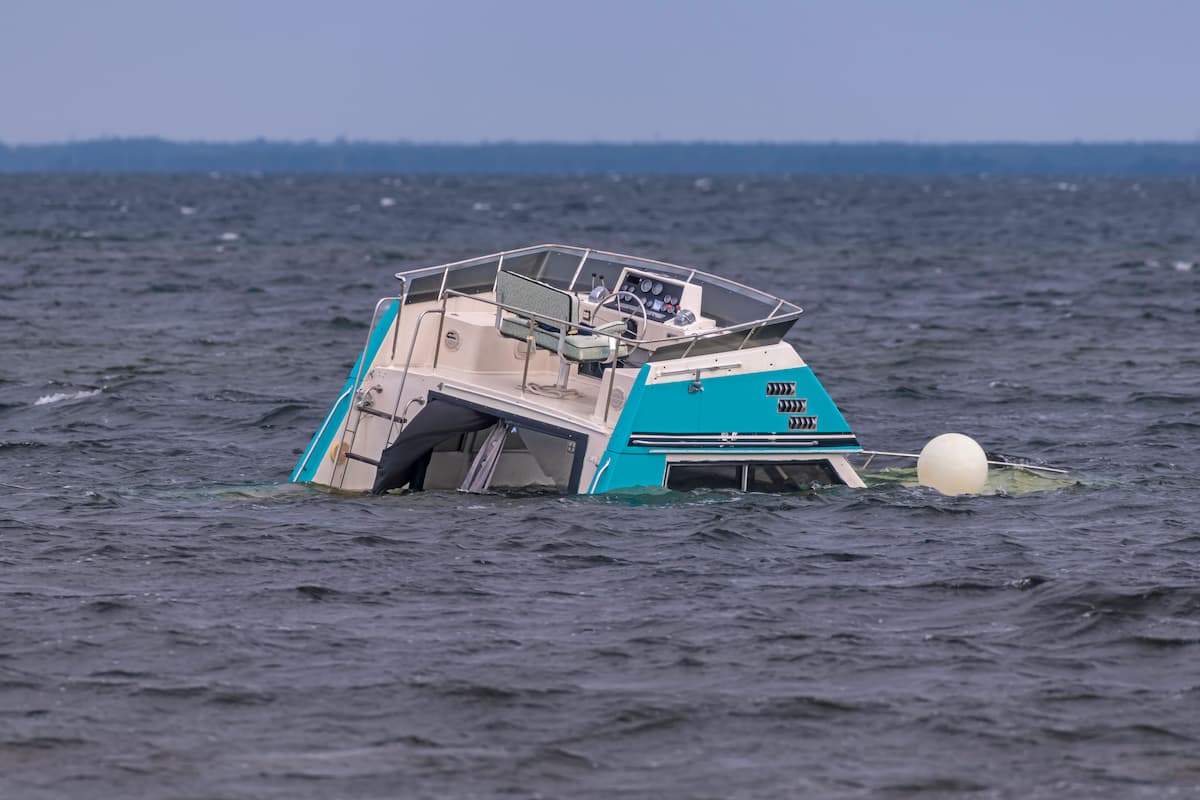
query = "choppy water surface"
{"x": 178, "y": 622}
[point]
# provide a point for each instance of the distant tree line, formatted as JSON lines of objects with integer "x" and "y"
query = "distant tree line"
{"x": 151, "y": 155}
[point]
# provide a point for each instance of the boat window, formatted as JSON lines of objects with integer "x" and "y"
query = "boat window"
{"x": 686, "y": 477}
{"x": 424, "y": 289}
{"x": 701, "y": 346}
{"x": 770, "y": 334}
{"x": 789, "y": 477}
{"x": 557, "y": 269}
{"x": 475, "y": 279}
{"x": 729, "y": 305}
{"x": 794, "y": 476}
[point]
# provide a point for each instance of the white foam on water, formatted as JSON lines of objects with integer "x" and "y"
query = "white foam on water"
{"x": 387, "y": 202}
{"x": 1183, "y": 266}
{"x": 59, "y": 397}
{"x": 481, "y": 207}
{"x": 187, "y": 211}
{"x": 229, "y": 236}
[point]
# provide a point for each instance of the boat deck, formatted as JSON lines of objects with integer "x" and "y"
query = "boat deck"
{"x": 475, "y": 359}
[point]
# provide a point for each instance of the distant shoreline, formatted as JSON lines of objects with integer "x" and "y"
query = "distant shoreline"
{"x": 153, "y": 155}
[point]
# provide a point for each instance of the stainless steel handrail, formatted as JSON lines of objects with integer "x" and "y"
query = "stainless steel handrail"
{"x": 396, "y": 323}
{"x": 619, "y": 258}
{"x": 408, "y": 365}
{"x": 692, "y": 339}
{"x": 356, "y": 380}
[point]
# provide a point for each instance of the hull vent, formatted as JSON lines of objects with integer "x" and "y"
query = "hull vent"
{"x": 802, "y": 423}
{"x": 781, "y": 388}
{"x": 792, "y": 405}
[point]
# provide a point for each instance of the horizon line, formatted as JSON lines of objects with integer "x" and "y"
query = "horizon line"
{"x": 343, "y": 141}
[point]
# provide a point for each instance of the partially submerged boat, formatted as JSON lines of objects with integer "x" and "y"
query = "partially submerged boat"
{"x": 578, "y": 371}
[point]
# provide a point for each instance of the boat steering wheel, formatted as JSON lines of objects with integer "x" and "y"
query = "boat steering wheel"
{"x": 645, "y": 318}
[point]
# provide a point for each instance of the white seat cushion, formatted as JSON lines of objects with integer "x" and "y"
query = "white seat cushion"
{"x": 577, "y": 347}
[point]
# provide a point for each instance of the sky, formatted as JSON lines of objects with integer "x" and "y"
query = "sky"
{"x": 604, "y": 70}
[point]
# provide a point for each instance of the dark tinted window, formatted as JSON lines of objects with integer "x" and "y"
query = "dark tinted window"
{"x": 789, "y": 477}
{"x": 685, "y": 477}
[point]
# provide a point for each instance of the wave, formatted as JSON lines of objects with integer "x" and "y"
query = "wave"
{"x": 61, "y": 397}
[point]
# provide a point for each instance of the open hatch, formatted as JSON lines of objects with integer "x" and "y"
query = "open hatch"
{"x": 452, "y": 444}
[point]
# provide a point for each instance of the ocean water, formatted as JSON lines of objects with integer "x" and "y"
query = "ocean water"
{"x": 179, "y": 622}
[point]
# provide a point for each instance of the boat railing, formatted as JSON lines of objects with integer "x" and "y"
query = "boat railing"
{"x": 687, "y": 274}
{"x": 690, "y": 338}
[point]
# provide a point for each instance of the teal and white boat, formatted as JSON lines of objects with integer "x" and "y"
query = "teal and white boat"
{"x": 579, "y": 371}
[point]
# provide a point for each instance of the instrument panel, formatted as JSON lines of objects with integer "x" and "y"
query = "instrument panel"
{"x": 661, "y": 297}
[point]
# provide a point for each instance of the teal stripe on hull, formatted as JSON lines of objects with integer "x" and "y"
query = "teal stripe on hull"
{"x": 307, "y": 466}
{"x": 726, "y": 404}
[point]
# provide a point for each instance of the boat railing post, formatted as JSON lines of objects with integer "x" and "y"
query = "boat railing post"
{"x": 756, "y": 328}
{"x": 746, "y": 338}
{"x": 402, "y": 297}
{"x": 579, "y": 269}
{"x": 499, "y": 310}
{"x": 612, "y": 373}
{"x": 529, "y": 345}
{"x": 437, "y": 345}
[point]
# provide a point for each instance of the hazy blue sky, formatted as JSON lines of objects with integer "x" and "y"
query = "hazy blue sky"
{"x": 613, "y": 70}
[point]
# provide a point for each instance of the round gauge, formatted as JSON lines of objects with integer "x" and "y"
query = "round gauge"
{"x": 670, "y": 299}
{"x": 646, "y": 284}
{"x": 657, "y": 290}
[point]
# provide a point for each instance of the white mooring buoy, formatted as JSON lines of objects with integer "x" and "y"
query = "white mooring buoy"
{"x": 952, "y": 463}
